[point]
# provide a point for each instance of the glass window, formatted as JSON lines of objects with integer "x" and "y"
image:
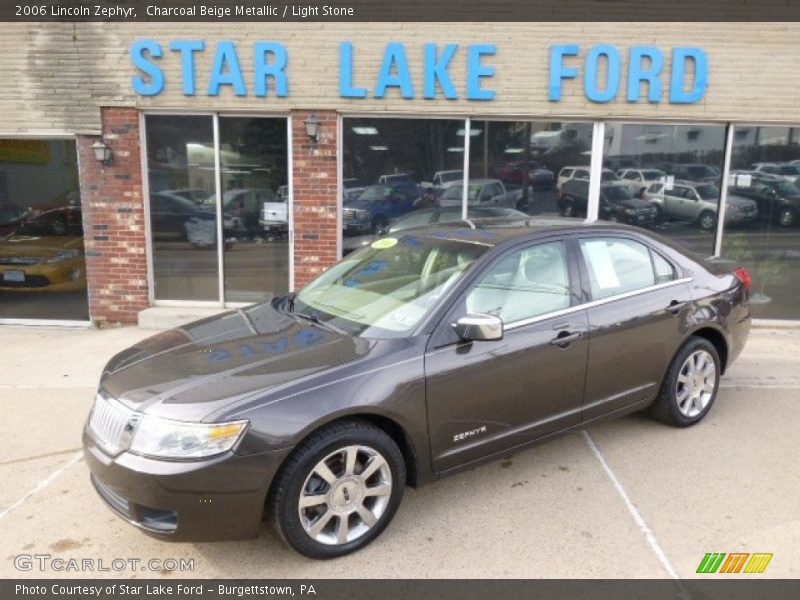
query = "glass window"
{"x": 529, "y": 161}
{"x": 687, "y": 160}
{"x": 767, "y": 243}
{"x": 42, "y": 260}
{"x": 616, "y": 266}
{"x": 386, "y": 288}
{"x": 183, "y": 214}
{"x": 664, "y": 270}
{"x": 402, "y": 165}
{"x": 255, "y": 207}
{"x": 527, "y": 283}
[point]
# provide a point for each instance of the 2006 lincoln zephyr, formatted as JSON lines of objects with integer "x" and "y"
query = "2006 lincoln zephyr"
{"x": 418, "y": 355}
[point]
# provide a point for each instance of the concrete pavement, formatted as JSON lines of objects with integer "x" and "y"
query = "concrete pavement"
{"x": 629, "y": 498}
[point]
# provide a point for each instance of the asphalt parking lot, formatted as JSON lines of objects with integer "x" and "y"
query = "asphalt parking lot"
{"x": 629, "y": 498}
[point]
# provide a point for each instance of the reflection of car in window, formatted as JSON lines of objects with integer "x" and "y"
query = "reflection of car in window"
{"x": 778, "y": 200}
{"x": 45, "y": 253}
{"x": 617, "y": 203}
{"x": 698, "y": 203}
{"x": 372, "y": 210}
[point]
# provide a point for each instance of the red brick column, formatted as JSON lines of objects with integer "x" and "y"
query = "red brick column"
{"x": 315, "y": 197}
{"x": 113, "y": 221}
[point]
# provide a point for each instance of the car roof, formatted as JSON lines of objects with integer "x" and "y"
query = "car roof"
{"x": 499, "y": 231}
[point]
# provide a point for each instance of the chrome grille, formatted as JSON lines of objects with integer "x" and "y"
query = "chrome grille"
{"x": 19, "y": 260}
{"x": 111, "y": 424}
{"x": 349, "y": 214}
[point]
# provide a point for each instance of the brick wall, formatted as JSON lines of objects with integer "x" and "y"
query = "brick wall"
{"x": 113, "y": 221}
{"x": 315, "y": 197}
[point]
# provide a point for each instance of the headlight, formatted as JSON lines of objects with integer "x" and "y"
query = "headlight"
{"x": 630, "y": 211}
{"x": 62, "y": 256}
{"x": 162, "y": 438}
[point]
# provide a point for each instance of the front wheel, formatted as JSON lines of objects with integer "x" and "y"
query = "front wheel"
{"x": 708, "y": 220}
{"x": 787, "y": 217}
{"x": 690, "y": 386}
{"x": 339, "y": 490}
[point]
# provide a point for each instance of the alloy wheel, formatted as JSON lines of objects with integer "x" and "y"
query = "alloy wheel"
{"x": 345, "y": 495}
{"x": 696, "y": 383}
{"x": 786, "y": 218}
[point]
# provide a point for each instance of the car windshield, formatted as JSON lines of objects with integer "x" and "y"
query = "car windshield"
{"x": 385, "y": 289}
{"x": 375, "y": 193}
{"x": 784, "y": 188}
{"x": 651, "y": 175}
{"x": 707, "y": 192}
{"x": 617, "y": 193}
{"x": 698, "y": 171}
{"x": 455, "y": 192}
{"x": 453, "y": 176}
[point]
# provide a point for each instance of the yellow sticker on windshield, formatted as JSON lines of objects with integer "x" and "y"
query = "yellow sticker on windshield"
{"x": 383, "y": 243}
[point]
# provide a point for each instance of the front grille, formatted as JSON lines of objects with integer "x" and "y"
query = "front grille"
{"x": 19, "y": 260}
{"x": 349, "y": 214}
{"x": 111, "y": 424}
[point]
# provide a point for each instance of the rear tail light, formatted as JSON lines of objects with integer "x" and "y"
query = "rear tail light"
{"x": 744, "y": 276}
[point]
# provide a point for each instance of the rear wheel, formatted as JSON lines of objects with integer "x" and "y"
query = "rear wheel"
{"x": 787, "y": 217}
{"x": 339, "y": 490}
{"x": 707, "y": 220}
{"x": 691, "y": 385}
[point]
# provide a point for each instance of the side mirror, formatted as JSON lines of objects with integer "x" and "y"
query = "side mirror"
{"x": 479, "y": 327}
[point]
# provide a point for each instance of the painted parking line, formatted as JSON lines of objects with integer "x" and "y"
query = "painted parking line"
{"x": 42, "y": 484}
{"x": 637, "y": 517}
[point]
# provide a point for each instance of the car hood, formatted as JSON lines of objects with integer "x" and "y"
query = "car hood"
{"x": 634, "y": 203}
{"x": 39, "y": 246}
{"x": 739, "y": 201}
{"x": 191, "y": 371}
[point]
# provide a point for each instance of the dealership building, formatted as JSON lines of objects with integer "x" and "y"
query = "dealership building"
{"x": 149, "y": 170}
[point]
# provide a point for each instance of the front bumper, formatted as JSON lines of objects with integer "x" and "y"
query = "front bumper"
{"x": 221, "y": 498}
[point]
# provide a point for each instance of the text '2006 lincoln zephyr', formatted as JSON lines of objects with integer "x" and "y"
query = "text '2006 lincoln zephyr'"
{"x": 416, "y": 356}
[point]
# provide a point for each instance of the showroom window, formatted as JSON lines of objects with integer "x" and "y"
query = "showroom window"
{"x": 765, "y": 173}
{"x": 666, "y": 178}
{"x": 219, "y": 207}
{"x": 42, "y": 260}
{"x": 397, "y": 173}
{"x": 392, "y": 167}
{"x": 530, "y": 161}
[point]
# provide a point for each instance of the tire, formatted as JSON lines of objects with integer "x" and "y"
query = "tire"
{"x": 344, "y": 498}
{"x": 669, "y": 407}
{"x": 659, "y": 216}
{"x": 787, "y": 217}
{"x": 707, "y": 220}
{"x": 568, "y": 210}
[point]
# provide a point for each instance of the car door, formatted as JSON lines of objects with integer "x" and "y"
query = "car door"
{"x": 637, "y": 304}
{"x": 487, "y": 396}
{"x": 675, "y": 202}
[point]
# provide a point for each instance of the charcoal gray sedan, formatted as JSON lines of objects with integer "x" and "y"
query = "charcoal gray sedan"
{"x": 422, "y": 354}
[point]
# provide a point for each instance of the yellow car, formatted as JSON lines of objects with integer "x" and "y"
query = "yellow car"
{"x": 45, "y": 254}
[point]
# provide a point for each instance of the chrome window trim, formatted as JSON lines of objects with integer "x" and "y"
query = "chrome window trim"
{"x": 593, "y": 303}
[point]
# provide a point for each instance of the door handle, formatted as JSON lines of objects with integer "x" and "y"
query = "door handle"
{"x": 565, "y": 338}
{"x": 675, "y": 307}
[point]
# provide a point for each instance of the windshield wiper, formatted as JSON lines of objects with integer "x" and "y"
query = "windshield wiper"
{"x": 314, "y": 318}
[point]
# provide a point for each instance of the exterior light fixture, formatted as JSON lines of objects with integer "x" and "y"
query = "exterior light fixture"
{"x": 102, "y": 152}
{"x": 313, "y": 127}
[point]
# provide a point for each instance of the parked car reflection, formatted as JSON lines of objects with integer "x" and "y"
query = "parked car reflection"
{"x": 778, "y": 200}
{"x": 45, "y": 253}
{"x": 372, "y": 210}
{"x": 698, "y": 203}
{"x": 430, "y": 216}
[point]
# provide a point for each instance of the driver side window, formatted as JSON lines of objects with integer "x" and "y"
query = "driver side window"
{"x": 525, "y": 284}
